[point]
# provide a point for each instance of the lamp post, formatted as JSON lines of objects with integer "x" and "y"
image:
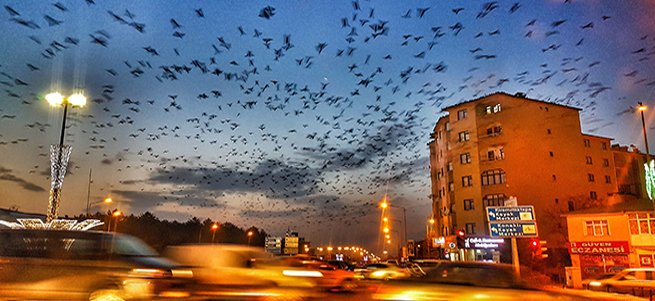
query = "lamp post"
{"x": 214, "y": 228}
{"x": 250, "y": 233}
{"x": 428, "y": 235}
{"x": 59, "y": 154}
{"x": 641, "y": 109}
{"x": 116, "y": 214}
{"x": 106, "y": 200}
{"x": 384, "y": 205}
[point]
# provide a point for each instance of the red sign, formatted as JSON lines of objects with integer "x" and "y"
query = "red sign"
{"x": 599, "y": 247}
{"x": 646, "y": 260}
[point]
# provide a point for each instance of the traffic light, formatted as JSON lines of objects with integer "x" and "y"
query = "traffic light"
{"x": 461, "y": 239}
{"x": 543, "y": 249}
{"x": 534, "y": 247}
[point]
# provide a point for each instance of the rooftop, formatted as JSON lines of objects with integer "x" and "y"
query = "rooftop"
{"x": 517, "y": 95}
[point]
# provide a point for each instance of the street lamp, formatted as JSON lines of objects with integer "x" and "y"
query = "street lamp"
{"x": 106, "y": 200}
{"x": 384, "y": 205}
{"x": 641, "y": 108}
{"x": 214, "y": 228}
{"x": 250, "y": 233}
{"x": 116, "y": 214}
{"x": 59, "y": 154}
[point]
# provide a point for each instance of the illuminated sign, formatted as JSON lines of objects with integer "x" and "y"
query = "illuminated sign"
{"x": 483, "y": 242}
{"x": 649, "y": 169}
{"x": 517, "y": 213}
{"x": 517, "y": 229}
{"x": 599, "y": 247}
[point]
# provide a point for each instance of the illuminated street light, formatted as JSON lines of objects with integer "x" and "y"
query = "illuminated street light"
{"x": 60, "y": 154}
{"x": 385, "y": 219}
{"x": 386, "y": 230}
{"x": 330, "y": 249}
{"x": 214, "y": 228}
{"x": 384, "y": 205}
{"x": 431, "y": 221}
{"x": 116, "y": 214}
{"x": 250, "y": 233}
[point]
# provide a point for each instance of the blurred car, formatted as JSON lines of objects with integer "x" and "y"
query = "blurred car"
{"x": 85, "y": 265}
{"x": 334, "y": 279}
{"x": 243, "y": 272}
{"x": 382, "y": 271}
{"x": 465, "y": 281}
{"x": 636, "y": 281}
{"x": 585, "y": 283}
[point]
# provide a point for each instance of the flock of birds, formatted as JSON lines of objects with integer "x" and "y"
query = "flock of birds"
{"x": 295, "y": 152}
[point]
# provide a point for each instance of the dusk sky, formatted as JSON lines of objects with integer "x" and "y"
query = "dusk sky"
{"x": 292, "y": 114}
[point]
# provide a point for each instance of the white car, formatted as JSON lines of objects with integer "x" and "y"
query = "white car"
{"x": 635, "y": 281}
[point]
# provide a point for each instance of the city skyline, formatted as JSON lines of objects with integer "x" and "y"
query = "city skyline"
{"x": 285, "y": 115}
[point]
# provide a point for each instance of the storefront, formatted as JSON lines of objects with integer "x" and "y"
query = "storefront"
{"x": 600, "y": 257}
{"x": 473, "y": 248}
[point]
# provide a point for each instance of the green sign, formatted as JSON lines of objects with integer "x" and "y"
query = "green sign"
{"x": 650, "y": 178}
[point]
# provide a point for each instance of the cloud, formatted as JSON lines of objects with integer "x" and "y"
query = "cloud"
{"x": 387, "y": 140}
{"x": 140, "y": 201}
{"x": 6, "y": 175}
{"x": 271, "y": 178}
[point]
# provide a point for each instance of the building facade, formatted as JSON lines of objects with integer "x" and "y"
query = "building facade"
{"x": 489, "y": 149}
{"x": 609, "y": 239}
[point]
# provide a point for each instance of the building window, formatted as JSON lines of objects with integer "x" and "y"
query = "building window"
{"x": 468, "y": 205}
{"x": 493, "y": 177}
{"x": 597, "y": 228}
{"x": 549, "y": 131}
{"x": 447, "y": 126}
{"x": 608, "y": 180}
{"x": 590, "y": 177}
{"x": 496, "y": 154}
{"x": 641, "y": 223}
{"x": 603, "y": 145}
{"x": 450, "y": 166}
{"x": 587, "y": 143}
{"x": 493, "y": 109}
{"x": 551, "y": 154}
{"x": 588, "y": 159}
{"x": 606, "y": 162}
{"x": 467, "y": 181}
{"x": 451, "y": 186}
{"x": 494, "y": 131}
{"x": 571, "y": 205}
{"x": 556, "y": 201}
{"x": 593, "y": 195}
{"x": 465, "y": 158}
{"x": 494, "y": 200}
{"x": 470, "y": 228}
{"x": 554, "y": 178}
{"x": 463, "y": 136}
{"x": 462, "y": 114}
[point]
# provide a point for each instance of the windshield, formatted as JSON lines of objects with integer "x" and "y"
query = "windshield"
{"x": 130, "y": 246}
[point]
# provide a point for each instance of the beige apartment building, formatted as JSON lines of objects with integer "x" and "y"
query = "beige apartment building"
{"x": 489, "y": 149}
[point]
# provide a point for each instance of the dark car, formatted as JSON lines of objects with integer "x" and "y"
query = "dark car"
{"x": 468, "y": 281}
{"x": 79, "y": 265}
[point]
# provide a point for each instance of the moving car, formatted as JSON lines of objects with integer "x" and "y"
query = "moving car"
{"x": 334, "y": 279}
{"x": 466, "y": 281}
{"x": 233, "y": 271}
{"x": 635, "y": 281}
{"x": 79, "y": 265}
{"x": 382, "y": 271}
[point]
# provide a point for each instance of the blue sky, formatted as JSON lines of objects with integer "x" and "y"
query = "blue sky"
{"x": 301, "y": 140}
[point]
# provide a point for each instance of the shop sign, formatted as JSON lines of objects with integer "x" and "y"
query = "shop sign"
{"x": 599, "y": 247}
{"x": 483, "y": 242}
{"x": 646, "y": 260}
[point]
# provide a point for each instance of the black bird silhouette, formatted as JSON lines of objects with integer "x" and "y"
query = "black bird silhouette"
{"x": 267, "y": 12}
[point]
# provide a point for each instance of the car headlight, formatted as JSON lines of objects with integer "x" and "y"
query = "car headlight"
{"x": 595, "y": 283}
{"x": 301, "y": 273}
{"x": 378, "y": 274}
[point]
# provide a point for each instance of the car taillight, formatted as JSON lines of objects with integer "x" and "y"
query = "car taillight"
{"x": 150, "y": 273}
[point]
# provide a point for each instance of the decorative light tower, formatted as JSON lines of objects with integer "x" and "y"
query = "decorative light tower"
{"x": 60, "y": 154}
